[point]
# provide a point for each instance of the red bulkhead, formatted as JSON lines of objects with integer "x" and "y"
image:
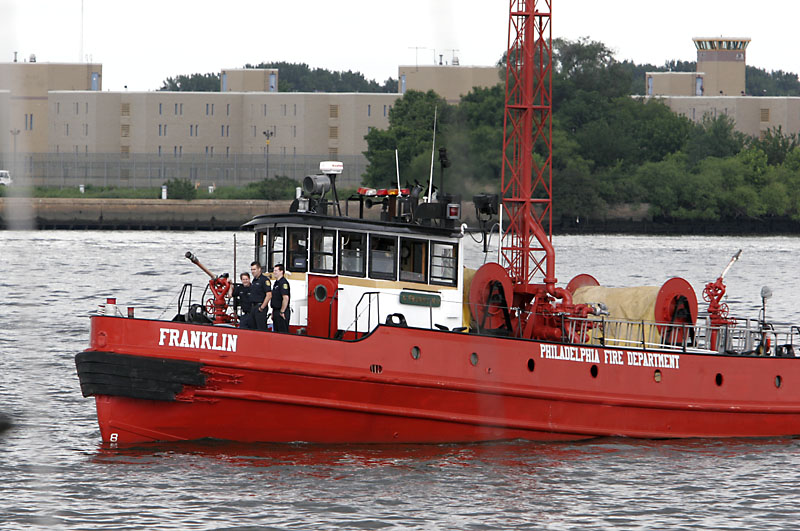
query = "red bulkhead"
{"x": 323, "y": 305}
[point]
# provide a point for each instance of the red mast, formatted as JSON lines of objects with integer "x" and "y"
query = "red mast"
{"x": 526, "y": 184}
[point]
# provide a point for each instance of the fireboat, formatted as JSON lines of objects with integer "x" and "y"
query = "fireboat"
{"x": 393, "y": 340}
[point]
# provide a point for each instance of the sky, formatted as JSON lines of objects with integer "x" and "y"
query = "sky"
{"x": 142, "y": 43}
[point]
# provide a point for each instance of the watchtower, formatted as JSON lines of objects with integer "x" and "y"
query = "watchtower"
{"x": 722, "y": 60}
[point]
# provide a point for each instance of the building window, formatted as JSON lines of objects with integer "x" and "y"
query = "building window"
{"x": 333, "y": 132}
{"x": 295, "y": 109}
{"x": 77, "y": 108}
{"x": 227, "y": 130}
{"x": 369, "y": 110}
{"x": 159, "y": 151}
{"x": 125, "y": 130}
{"x": 413, "y": 260}
{"x": 191, "y": 130}
{"x": 228, "y": 109}
{"x": 160, "y": 108}
{"x": 765, "y": 115}
{"x": 264, "y": 108}
{"x": 66, "y": 128}
{"x": 58, "y": 108}
{"x": 125, "y": 109}
{"x": 334, "y": 111}
{"x": 159, "y": 130}
{"x": 384, "y": 111}
{"x": 227, "y": 151}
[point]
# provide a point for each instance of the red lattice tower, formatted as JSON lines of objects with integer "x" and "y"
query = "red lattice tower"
{"x": 528, "y": 122}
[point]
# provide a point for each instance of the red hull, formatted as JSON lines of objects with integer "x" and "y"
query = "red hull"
{"x": 461, "y": 388}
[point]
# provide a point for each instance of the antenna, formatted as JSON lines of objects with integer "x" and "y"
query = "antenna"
{"x": 433, "y": 148}
{"x": 416, "y": 53}
{"x": 454, "y": 62}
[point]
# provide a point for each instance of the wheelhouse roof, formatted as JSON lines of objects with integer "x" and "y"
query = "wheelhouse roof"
{"x": 337, "y": 222}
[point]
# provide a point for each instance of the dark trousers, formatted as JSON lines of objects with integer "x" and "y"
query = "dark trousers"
{"x": 281, "y": 324}
{"x": 258, "y": 317}
{"x": 246, "y": 321}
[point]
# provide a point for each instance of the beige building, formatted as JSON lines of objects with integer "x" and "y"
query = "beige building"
{"x": 721, "y": 66}
{"x": 214, "y": 137}
{"x": 29, "y": 84}
{"x": 718, "y": 87}
{"x": 249, "y": 80}
{"x": 450, "y": 82}
{"x": 73, "y": 133}
{"x": 752, "y": 115}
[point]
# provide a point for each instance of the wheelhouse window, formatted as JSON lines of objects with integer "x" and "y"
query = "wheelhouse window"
{"x": 444, "y": 263}
{"x": 276, "y": 241}
{"x": 413, "y": 260}
{"x": 298, "y": 249}
{"x": 353, "y": 254}
{"x": 383, "y": 257}
{"x": 323, "y": 244}
{"x": 261, "y": 247}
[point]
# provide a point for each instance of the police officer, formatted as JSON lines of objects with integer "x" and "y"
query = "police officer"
{"x": 280, "y": 300}
{"x": 241, "y": 299}
{"x": 259, "y": 297}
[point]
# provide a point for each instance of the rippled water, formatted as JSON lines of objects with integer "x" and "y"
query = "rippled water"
{"x": 54, "y": 472}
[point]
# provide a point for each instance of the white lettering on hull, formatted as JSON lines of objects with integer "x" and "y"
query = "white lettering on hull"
{"x": 610, "y": 357}
{"x": 197, "y": 339}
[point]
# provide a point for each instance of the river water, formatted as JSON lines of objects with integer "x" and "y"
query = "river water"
{"x": 55, "y": 473}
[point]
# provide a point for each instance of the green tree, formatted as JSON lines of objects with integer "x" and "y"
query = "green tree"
{"x": 714, "y": 137}
{"x": 410, "y": 132}
{"x": 192, "y": 83}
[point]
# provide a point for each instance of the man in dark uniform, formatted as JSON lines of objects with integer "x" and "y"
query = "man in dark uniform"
{"x": 280, "y": 301}
{"x": 259, "y": 297}
{"x": 241, "y": 299}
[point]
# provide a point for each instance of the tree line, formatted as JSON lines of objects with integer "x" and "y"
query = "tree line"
{"x": 609, "y": 148}
{"x": 292, "y": 77}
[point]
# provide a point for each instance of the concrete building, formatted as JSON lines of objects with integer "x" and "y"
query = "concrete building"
{"x": 721, "y": 66}
{"x": 212, "y": 137}
{"x": 29, "y": 84}
{"x": 73, "y": 133}
{"x": 718, "y": 87}
{"x": 450, "y": 82}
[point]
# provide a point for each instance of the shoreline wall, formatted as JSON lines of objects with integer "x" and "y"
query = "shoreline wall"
{"x": 174, "y": 214}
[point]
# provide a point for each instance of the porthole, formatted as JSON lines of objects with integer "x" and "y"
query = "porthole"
{"x": 718, "y": 379}
{"x": 593, "y": 371}
{"x": 657, "y": 376}
{"x": 473, "y": 358}
{"x": 415, "y": 352}
{"x": 531, "y": 365}
{"x": 778, "y": 381}
{"x": 320, "y": 293}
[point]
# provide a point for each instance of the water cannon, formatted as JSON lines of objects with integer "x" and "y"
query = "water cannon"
{"x": 219, "y": 286}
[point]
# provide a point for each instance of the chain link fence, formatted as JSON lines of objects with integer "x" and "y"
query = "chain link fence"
{"x": 147, "y": 171}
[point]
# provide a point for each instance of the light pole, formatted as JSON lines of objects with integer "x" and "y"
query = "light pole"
{"x": 267, "y": 136}
{"x": 14, "y": 133}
